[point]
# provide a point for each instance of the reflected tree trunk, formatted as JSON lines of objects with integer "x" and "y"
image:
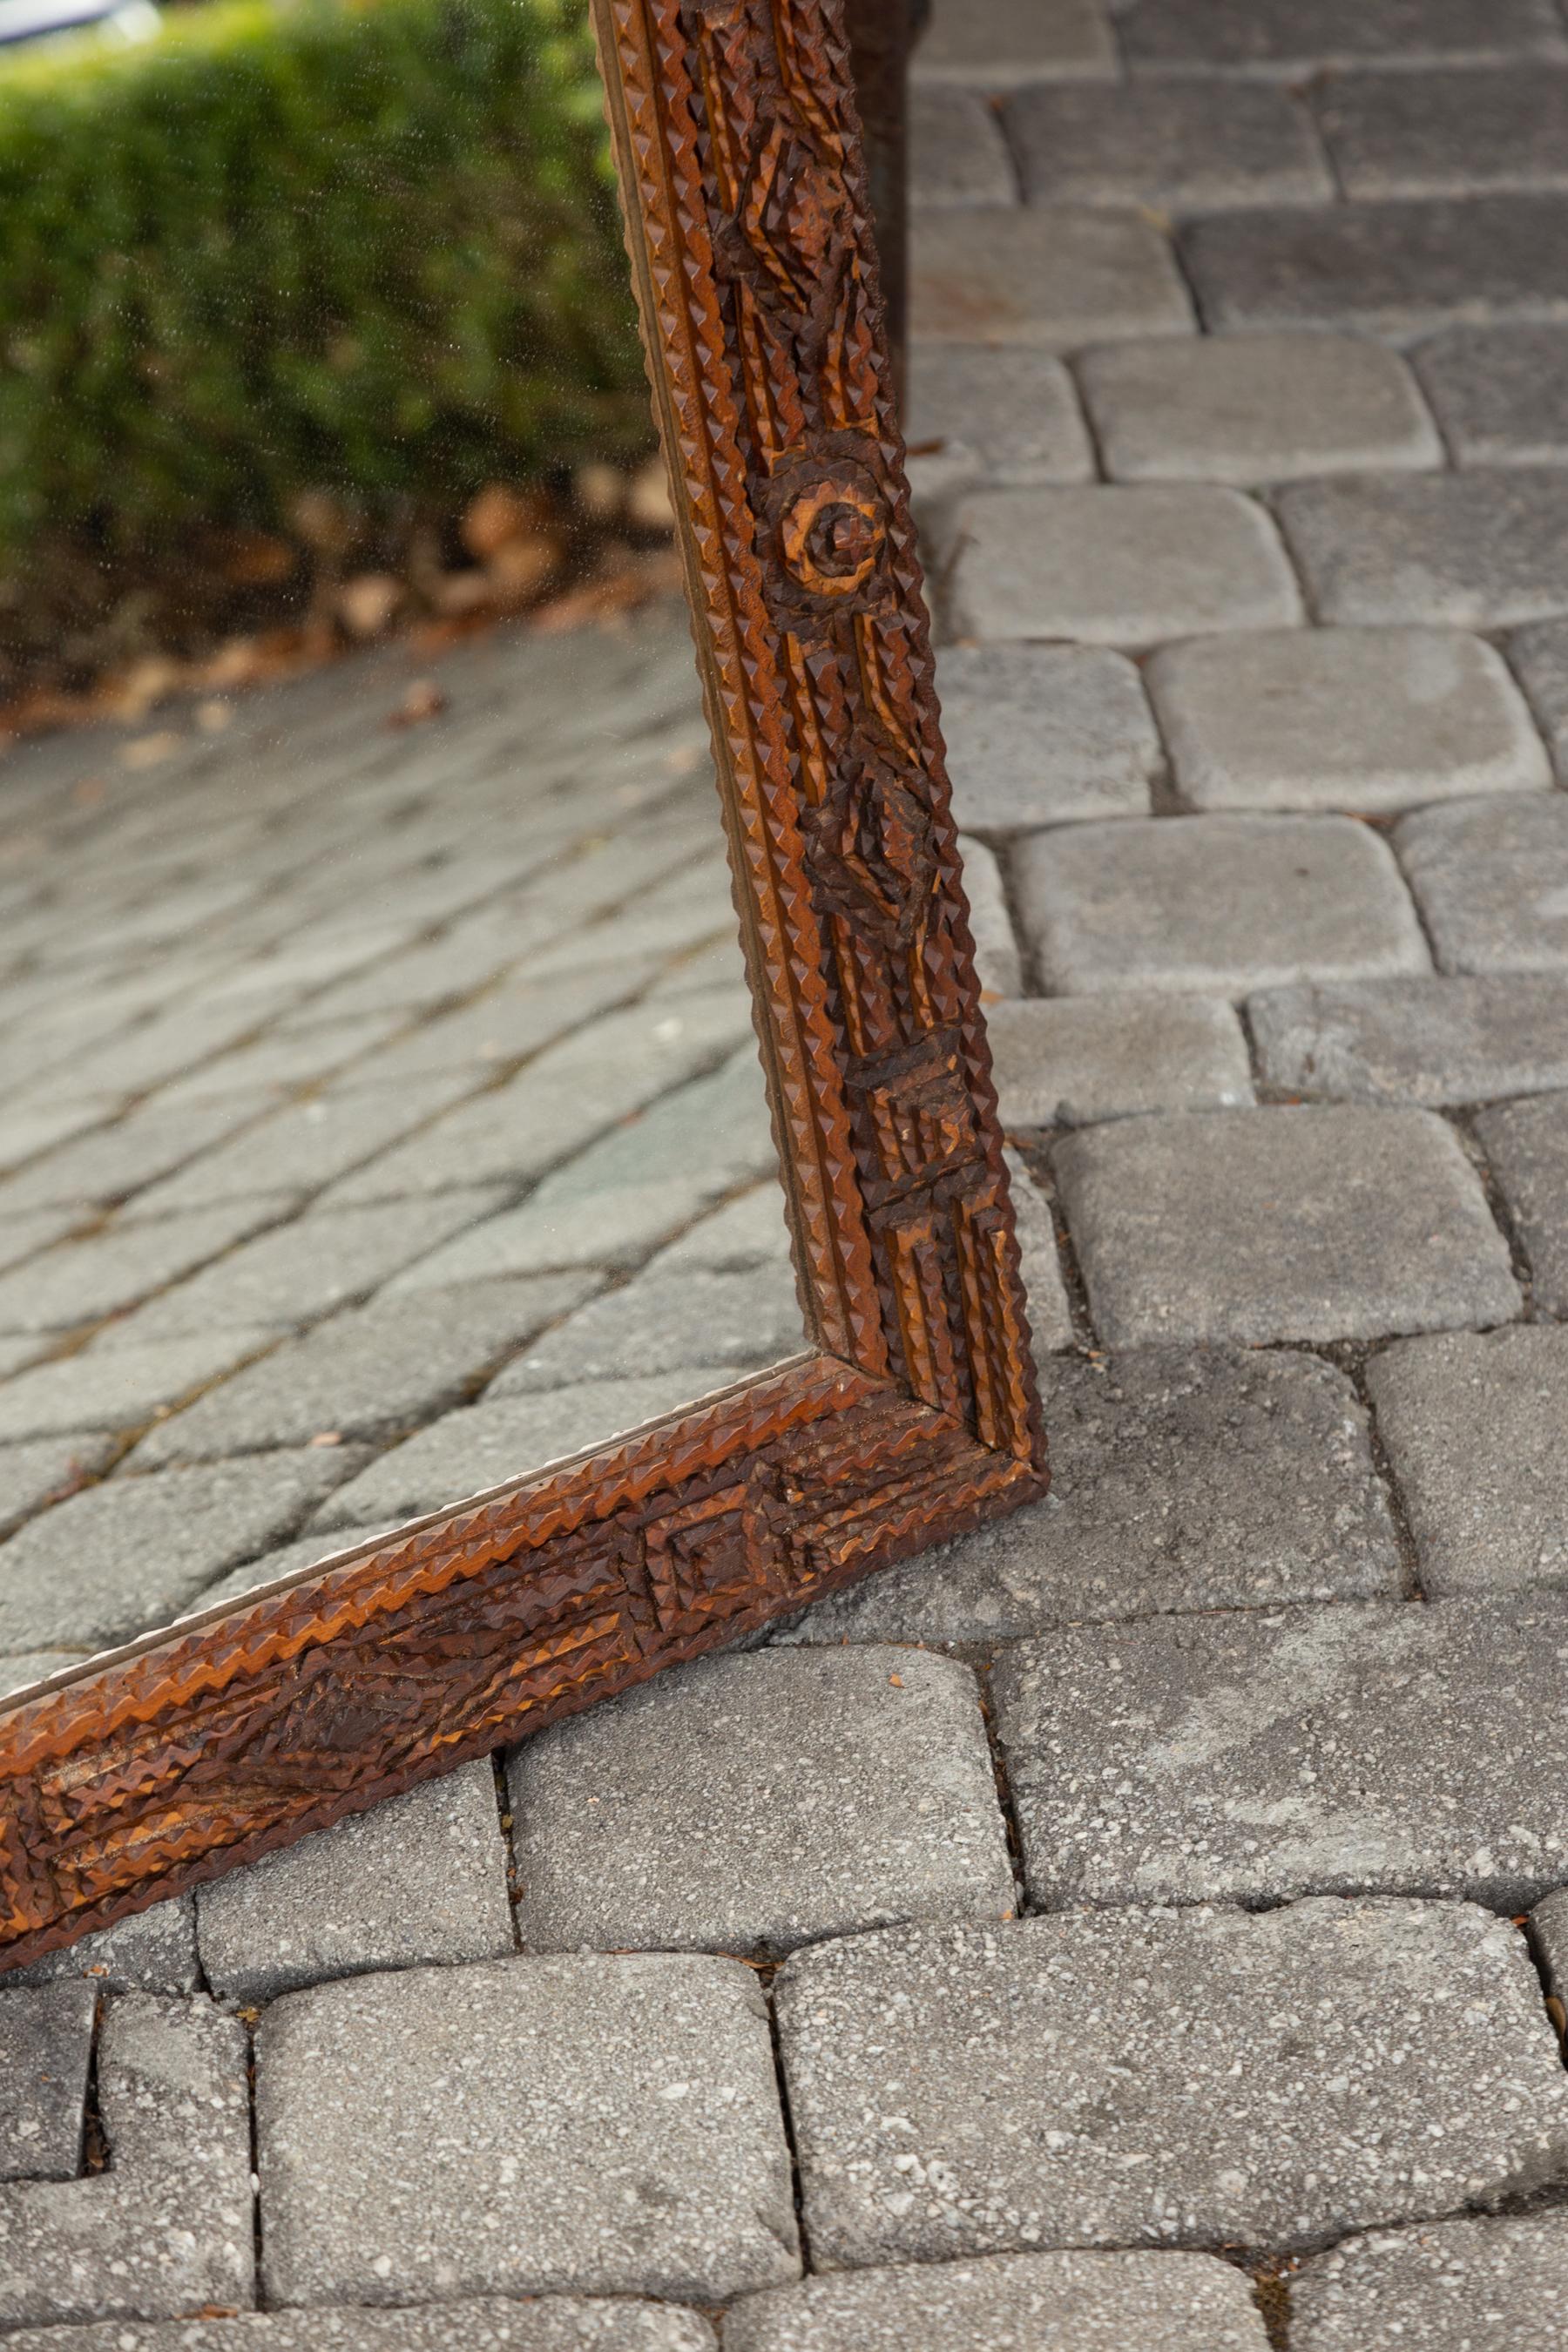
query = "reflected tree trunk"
{"x": 881, "y": 34}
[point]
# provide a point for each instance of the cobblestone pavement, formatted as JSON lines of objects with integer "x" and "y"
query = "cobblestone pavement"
{"x": 1144, "y": 1924}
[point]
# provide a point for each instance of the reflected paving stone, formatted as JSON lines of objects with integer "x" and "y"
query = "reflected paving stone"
{"x": 1430, "y": 1042}
{"x": 524, "y": 2126}
{"x": 1492, "y": 882}
{"x": 1351, "y": 719}
{"x": 957, "y": 153}
{"x": 1448, "y": 135}
{"x": 110, "y": 1562}
{"x": 79, "y": 1282}
{"x": 1050, "y": 1317}
{"x": 1198, "y": 2078}
{"x": 369, "y": 1373}
{"x": 562, "y": 2324}
{"x": 169, "y": 2227}
{"x": 1252, "y": 1757}
{"x": 1070, "y": 1061}
{"x": 1221, "y": 904}
{"x": 993, "y": 44}
{"x": 1500, "y": 394}
{"x": 1254, "y": 408}
{"x": 1253, "y": 1226}
{"x": 1279, "y": 37}
{"x": 1452, "y": 2287}
{"x": 748, "y": 1804}
{"x": 152, "y": 1952}
{"x": 307, "y": 1145}
{"x": 45, "y": 2043}
{"x": 122, "y": 1387}
{"x": 1095, "y": 2303}
{"x": 112, "y": 1163}
{"x": 420, "y": 1878}
{"x": 1527, "y": 1144}
{"x": 1055, "y": 279}
{"x": 997, "y": 967}
{"x": 1475, "y": 550}
{"x": 1117, "y": 566}
{"x": 1473, "y": 1426}
{"x": 1038, "y": 732}
{"x": 1173, "y": 147}
{"x": 1540, "y": 656}
{"x": 1399, "y": 270}
{"x": 41, "y": 1469}
{"x": 464, "y": 1452}
{"x": 1005, "y": 412}
{"x": 750, "y": 1231}
{"x": 658, "y": 1324}
{"x": 1180, "y": 1479}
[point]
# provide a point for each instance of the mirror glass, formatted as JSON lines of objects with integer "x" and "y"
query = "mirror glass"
{"x": 383, "y": 1116}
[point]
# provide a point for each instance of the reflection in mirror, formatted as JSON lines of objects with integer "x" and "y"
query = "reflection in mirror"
{"x": 382, "y": 1114}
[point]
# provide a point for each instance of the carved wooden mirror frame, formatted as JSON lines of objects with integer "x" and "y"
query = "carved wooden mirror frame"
{"x": 912, "y": 1415}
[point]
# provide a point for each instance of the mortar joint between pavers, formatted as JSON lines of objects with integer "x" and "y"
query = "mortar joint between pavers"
{"x": 1462, "y": 1122}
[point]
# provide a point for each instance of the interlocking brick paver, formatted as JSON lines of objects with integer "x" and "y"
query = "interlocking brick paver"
{"x": 1117, "y": 566}
{"x": 169, "y": 2227}
{"x": 1102, "y": 2303}
{"x": 957, "y": 153}
{"x": 1456, "y": 2286}
{"x": 1280, "y": 36}
{"x": 998, "y": 966}
{"x": 658, "y": 1323}
{"x": 80, "y": 1281}
{"x": 1499, "y": 393}
{"x": 1459, "y": 133}
{"x": 1180, "y": 1479}
{"x": 152, "y": 1952}
{"x": 749, "y": 1804}
{"x": 122, "y": 1387}
{"x": 1220, "y": 904}
{"x": 524, "y": 2126}
{"x": 1431, "y": 1041}
{"x": 1004, "y": 414}
{"x": 992, "y": 44}
{"x": 1540, "y": 657}
{"x": 41, "y": 1469}
{"x": 46, "y": 2043}
{"x": 1245, "y": 409}
{"x": 1197, "y": 2078}
{"x": 1477, "y": 551}
{"x": 1389, "y": 1750}
{"x": 419, "y": 1878}
{"x": 1527, "y": 1145}
{"x": 1364, "y": 719}
{"x": 560, "y": 2324}
{"x": 1039, "y": 732}
{"x": 1473, "y": 1425}
{"x": 133, "y": 1552}
{"x": 1070, "y": 1061}
{"x": 1492, "y": 882}
{"x": 373, "y": 1372}
{"x": 1401, "y": 269}
{"x": 1175, "y": 147}
{"x": 1055, "y": 278}
{"x": 1317, "y": 1223}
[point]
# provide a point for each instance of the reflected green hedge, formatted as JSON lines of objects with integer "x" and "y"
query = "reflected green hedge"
{"x": 368, "y": 248}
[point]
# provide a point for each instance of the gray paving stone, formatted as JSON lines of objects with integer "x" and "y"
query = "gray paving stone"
{"x": 1500, "y": 394}
{"x": 1095, "y": 2303}
{"x": 466, "y": 1452}
{"x": 46, "y": 2043}
{"x": 1050, "y": 1317}
{"x": 1253, "y": 1758}
{"x": 1456, "y": 2286}
{"x": 1431, "y": 1041}
{"x": 1492, "y": 882}
{"x": 1527, "y": 1145}
{"x": 562, "y": 2324}
{"x": 152, "y": 1952}
{"x": 1459, "y": 133}
{"x": 1117, "y": 565}
{"x": 1473, "y": 1425}
{"x": 658, "y": 1324}
{"x": 80, "y": 1281}
{"x": 1004, "y": 414}
{"x": 42, "y": 1469}
{"x": 133, "y": 1553}
{"x": 419, "y": 1878}
{"x": 1280, "y": 36}
{"x": 1218, "y": 904}
{"x": 306, "y": 1145}
{"x": 1245, "y": 409}
{"x": 1191, "y": 2078}
{"x": 18, "y": 1673}
{"x": 1364, "y": 719}
{"x": 1540, "y": 657}
{"x": 373, "y": 1372}
{"x": 1055, "y": 279}
{"x": 997, "y": 966}
{"x": 169, "y": 2227}
{"x": 1071, "y": 1061}
{"x": 122, "y": 1387}
{"x": 1401, "y": 269}
{"x": 1475, "y": 550}
{"x": 957, "y": 153}
{"x": 1180, "y": 1479}
{"x": 1039, "y": 732}
{"x": 1170, "y": 147}
{"x": 616, "y": 2131}
{"x": 748, "y": 1804}
{"x": 1254, "y": 1227}
{"x": 1549, "y": 1941}
{"x": 994, "y": 44}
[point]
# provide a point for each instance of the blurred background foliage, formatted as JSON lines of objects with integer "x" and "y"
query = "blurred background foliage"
{"x": 282, "y": 292}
